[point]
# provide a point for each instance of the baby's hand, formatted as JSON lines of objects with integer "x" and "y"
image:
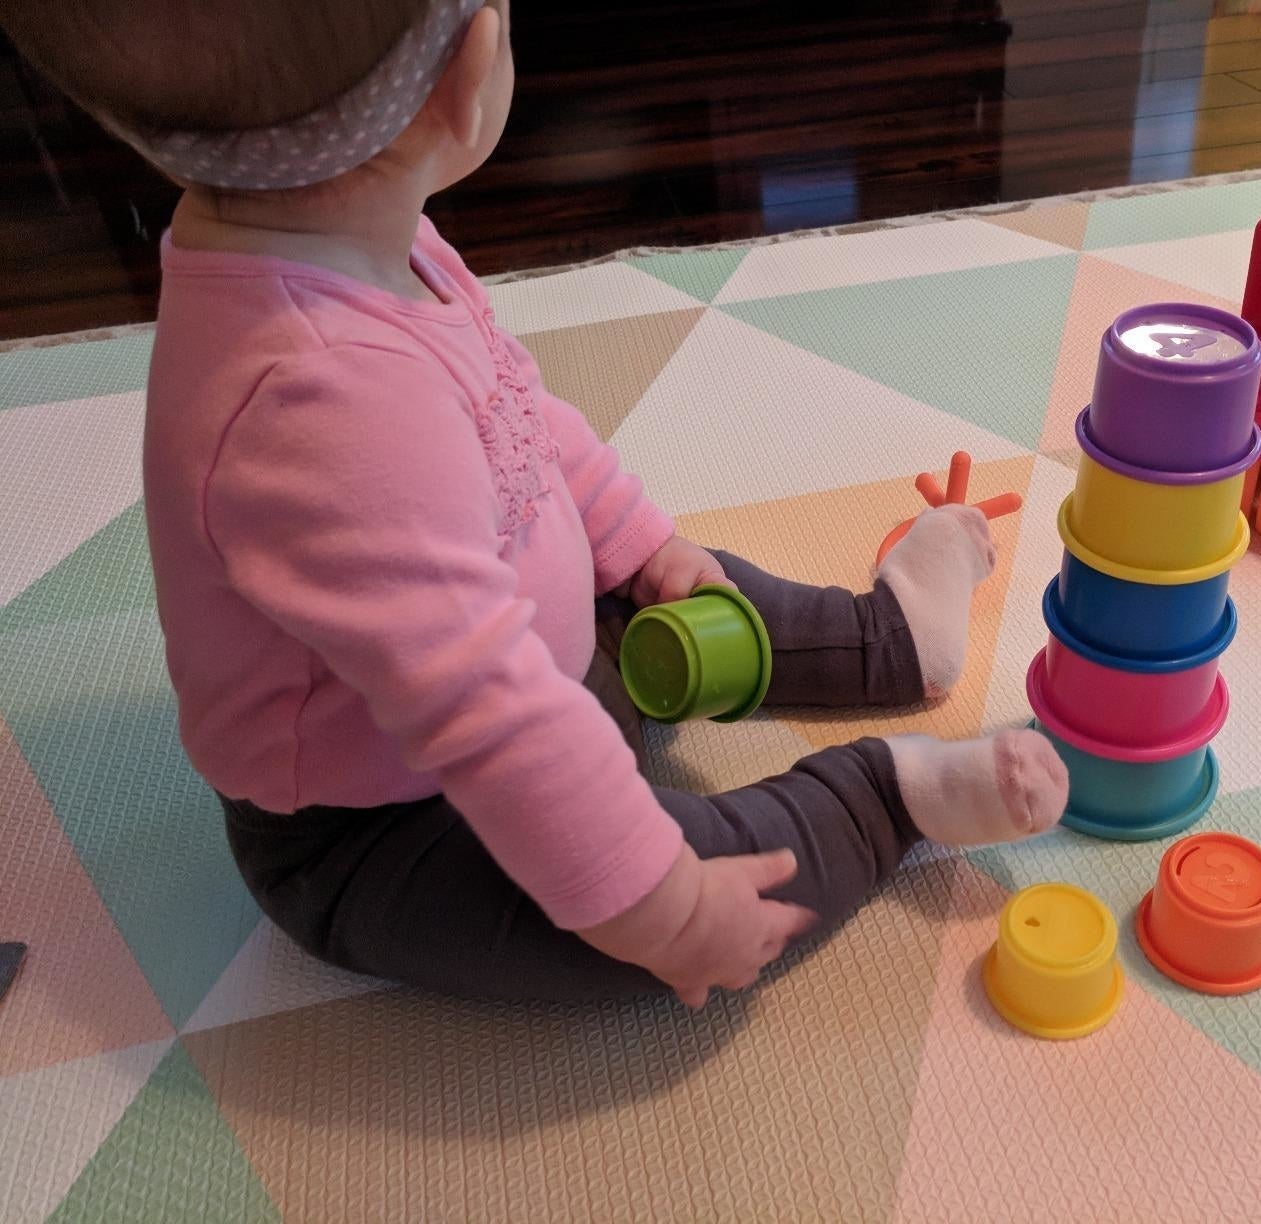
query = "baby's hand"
{"x": 706, "y": 924}
{"x": 674, "y": 571}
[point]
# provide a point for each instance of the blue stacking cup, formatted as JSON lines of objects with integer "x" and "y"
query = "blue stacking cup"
{"x": 1141, "y": 620}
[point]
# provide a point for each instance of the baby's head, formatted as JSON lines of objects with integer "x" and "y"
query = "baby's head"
{"x": 245, "y": 95}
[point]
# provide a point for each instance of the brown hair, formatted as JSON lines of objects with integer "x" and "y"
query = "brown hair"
{"x": 205, "y": 65}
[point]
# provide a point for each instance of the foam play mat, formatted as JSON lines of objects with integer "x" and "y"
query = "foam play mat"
{"x": 166, "y": 1055}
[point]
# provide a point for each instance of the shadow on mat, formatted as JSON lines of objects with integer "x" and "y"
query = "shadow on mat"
{"x": 435, "y": 1068}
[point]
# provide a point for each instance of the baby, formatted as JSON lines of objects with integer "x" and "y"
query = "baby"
{"x": 392, "y": 569}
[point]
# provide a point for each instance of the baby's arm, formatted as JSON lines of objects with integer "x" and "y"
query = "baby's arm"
{"x": 352, "y": 505}
{"x": 359, "y": 517}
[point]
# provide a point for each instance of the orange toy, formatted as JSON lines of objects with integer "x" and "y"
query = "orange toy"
{"x": 956, "y": 494}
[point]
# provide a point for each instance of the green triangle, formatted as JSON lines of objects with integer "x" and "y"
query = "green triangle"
{"x": 981, "y": 343}
{"x": 700, "y": 273}
{"x": 90, "y": 705}
{"x": 108, "y": 573}
{"x": 58, "y": 372}
{"x": 171, "y": 1157}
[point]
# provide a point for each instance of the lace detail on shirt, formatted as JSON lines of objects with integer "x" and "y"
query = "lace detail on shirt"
{"x": 515, "y": 437}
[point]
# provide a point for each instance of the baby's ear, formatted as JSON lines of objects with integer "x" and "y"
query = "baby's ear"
{"x": 457, "y": 98}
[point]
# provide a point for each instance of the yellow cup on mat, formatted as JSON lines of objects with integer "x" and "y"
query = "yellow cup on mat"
{"x": 1053, "y": 970}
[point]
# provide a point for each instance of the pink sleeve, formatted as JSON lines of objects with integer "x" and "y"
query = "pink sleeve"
{"x": 625, "y": 528}
{"x": 352, "y": 504}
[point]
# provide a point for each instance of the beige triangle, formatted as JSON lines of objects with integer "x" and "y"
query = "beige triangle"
{"x": 798, "y": 1093}
{"x": 605, "y": 368}
{"x": 832, "y": 538}
{"x": 1064, "y": 224}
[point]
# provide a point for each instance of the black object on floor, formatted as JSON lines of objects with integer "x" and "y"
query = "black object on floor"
{"x": 11, "y": 957}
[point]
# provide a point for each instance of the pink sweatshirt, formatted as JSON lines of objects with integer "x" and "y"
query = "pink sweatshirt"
{"x": 376, "y": 541}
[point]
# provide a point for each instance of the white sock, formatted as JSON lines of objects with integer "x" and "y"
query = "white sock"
{"x": 933, "y": 571}
{"x": 1003, "y": 788}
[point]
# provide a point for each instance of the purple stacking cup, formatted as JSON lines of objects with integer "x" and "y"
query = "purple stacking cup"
{"x": 1176, "y": 388}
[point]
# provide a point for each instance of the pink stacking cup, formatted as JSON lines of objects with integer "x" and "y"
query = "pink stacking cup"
{"x": 1131, "y": 703}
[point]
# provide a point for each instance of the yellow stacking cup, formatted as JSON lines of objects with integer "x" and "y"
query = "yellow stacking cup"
{"x": 1153, "y": 520}
{"x": 1154, "y": 526}
{"x": 1053, "y": 970}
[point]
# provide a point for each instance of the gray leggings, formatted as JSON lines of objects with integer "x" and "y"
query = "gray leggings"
{"x": 407, "y": 892}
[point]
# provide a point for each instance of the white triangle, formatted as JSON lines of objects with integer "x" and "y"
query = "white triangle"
{"x": 612, "y": 290}
{"x": 1022, "y": 634}
{"x": 738, "y": 415}
{"x": 53, "y": 1120}
{"x": 827, "y": 262}
{"x": 66, "y": 469}
{"x": 1215, "y": 264}
{"x": 270, "y": 974}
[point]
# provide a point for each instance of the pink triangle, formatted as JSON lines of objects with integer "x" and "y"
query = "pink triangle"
{"x": 1101, "y": 291}
{"x": 80, "y": 991}
{"x": 1145, "y": 1119}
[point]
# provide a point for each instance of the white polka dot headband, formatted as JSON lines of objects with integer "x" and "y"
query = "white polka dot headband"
{"x": 340, "y": 135}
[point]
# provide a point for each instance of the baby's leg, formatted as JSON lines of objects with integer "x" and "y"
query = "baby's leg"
{"x": 903, "y": 641}
{"x": 408, "y": 893}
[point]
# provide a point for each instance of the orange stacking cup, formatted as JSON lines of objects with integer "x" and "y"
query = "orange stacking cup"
{"x": 1201, "y": 924}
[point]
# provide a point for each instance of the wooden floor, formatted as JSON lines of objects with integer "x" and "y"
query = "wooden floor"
{"x": 688, "y": 121}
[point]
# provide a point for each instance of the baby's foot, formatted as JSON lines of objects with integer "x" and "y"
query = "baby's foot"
{"x": 933, "y": 571}
{"x": 979, "y": 792}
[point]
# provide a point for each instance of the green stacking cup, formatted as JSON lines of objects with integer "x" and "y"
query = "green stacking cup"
{"x": 704, "y": 657}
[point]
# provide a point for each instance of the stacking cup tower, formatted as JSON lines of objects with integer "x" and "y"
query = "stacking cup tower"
{"x": 1128, "y": 687}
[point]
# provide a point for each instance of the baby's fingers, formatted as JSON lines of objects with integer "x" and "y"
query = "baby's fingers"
{"x": 768, "y": 870}
{"x": 788, "y": 921}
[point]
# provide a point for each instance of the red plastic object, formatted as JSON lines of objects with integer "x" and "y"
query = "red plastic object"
{"x": 1201, "y": 924}
{"x": 956, "y": 494}
{"x": 1251, "y": 313}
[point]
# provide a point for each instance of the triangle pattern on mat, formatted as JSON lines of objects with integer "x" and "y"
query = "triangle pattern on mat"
{"x": 52, "y": 374}
{"x": 54, "y": 1119}
{"x": 170, "y": 1157}
{"x": 700, "y": 273}
{"x": 1063, "y": 224}
{"x": 1180, "y": 213}
{"x": 272, "y": 974}
{"x": 610, "y": 290}
{"x": 903, "y": 252}
{"x": 857, "y": 1061}
{"x": 1101, "y": 291}
{"x": 80, "y": 991}
{"x": 1147, "y": 1110}
{"x": 90, "y": 705}
{"x": 739, "y": 415}
{"x": 1213, "y": 264}
{"x": 604, "y": 368}
{"x": 107, "y": 574}
{"x": 979, "y": 343}
{"x": 49, "y": 507}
